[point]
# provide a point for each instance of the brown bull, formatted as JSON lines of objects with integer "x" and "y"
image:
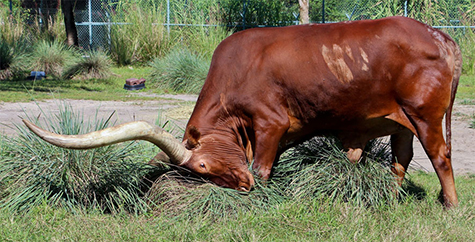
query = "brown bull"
{"x": 270, "y": 88}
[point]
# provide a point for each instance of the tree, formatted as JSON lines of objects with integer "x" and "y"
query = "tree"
{"x": 304, "y": 6}
{"x": 67, "y": 6}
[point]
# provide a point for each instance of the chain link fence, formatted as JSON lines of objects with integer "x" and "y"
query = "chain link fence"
{"x": 95, "y": 17}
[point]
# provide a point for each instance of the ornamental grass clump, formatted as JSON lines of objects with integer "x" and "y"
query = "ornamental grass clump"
{"x": 180, "y": 71}
{"x": 52, "y": 57}
{"x": 12, "y": 59}
{"x": 108, "y": 179}
{"x": 93, "y": 65}
{"x": 178, "y": 194}
{"x": 322, "y": 171}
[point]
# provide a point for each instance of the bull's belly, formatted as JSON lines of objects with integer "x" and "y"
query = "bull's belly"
{"x": 349, "y": 132}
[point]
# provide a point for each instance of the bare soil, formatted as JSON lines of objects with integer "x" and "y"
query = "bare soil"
{"x": 179, "y": 108}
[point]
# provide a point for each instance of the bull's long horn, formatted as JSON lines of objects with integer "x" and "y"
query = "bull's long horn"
{"x": 139, "y": 130}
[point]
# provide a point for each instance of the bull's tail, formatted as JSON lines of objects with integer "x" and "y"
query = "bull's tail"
{"x": 455, "y": 83}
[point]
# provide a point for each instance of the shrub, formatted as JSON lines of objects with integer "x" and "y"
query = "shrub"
{"x": 142, "y": 37}
{"x": 12, "y": 59}
{"x": 324, "y": 171}
{"x": 36, "y": 173}
{"x": 52, "y": 57}
{"x": 180, "y": 71}
{"x": 95, "y": 64}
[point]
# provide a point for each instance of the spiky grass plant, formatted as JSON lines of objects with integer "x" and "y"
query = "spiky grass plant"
{"x": 52, "y": 57}
{"x": 143, "y": 37}
{"x": 177, "y": 194}
{"x": 325, "y": 172}
{"x": 180, "y": 71}
{"x": 94, "y": 65}
{"x": 106, "y": 179}
{"x": 12, "y": 59}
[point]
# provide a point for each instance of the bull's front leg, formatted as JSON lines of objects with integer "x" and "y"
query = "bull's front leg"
{"x": 268, "y": 134}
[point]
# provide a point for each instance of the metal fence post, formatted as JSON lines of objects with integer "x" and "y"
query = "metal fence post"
{"x": 168, "y": 17}
{"x": 90, "y": 23}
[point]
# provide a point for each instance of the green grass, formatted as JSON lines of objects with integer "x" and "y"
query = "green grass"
{"x": 92, "y": 89}
{"x": 466, "y": 88}
{"x": 299, "y": 220}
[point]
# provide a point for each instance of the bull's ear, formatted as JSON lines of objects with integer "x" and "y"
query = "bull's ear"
{"x": 193, "y": 135}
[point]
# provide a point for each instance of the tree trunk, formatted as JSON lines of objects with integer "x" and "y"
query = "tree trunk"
{"x": 304, "y": 6}
{"x": 67, "y": 6}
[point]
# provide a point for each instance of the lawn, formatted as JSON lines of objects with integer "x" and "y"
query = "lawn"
{"x": 421, "y": 218}
{"x": 101, "y": 90}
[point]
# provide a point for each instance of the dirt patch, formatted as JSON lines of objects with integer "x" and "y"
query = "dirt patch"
{"x": 179, "y": 108}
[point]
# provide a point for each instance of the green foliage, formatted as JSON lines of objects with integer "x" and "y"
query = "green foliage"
{"x": 256, "y": 13}
{"x": 326, "y": 172}
{"x": 13, "y": 59}
{"x": 180, "y": 71}
{"x": 52, "y": 57}
{"x": 35, "y": 172}
{"x": 179, "y": 195}
{"x": 142, "y": 36}
{"x": 467, "y": 46}
{"x": 93, "y": 65}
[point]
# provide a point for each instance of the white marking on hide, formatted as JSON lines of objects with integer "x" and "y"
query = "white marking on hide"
{"x": 336, "y": 63}
{"x": 364, "y": 55}
{"x": 365, "y": 59}
{"x": 365, "y": 67}
{"x": 348, "y": 52}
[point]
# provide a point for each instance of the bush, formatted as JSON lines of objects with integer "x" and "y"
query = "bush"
{"x": 12, "y": 59}
{"x": 35, "y": 172}
{"x": 52, "y": 57}
{"x": 142, "y": 38}
{"x": 94, "y": 65}
{"x": 180, "y": 71}
{"x": 325, "y": 172}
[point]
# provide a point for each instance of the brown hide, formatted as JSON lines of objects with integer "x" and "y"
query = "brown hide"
{"x": 269, "y": 88}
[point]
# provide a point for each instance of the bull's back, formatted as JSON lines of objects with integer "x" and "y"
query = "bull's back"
{"x": 328, "y": 68}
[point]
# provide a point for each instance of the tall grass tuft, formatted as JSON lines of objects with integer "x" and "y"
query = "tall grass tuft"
{"x": 180, "y": 71}
{"x": 141, "y": 36}
{"x": 35, "y": 172}
{"x": 52, "y": 57}
{"x": 467, "y": 46}
{"x": 322, "y": 170}
{"x": 12, "y": 59}
{"x": 179, "y": 195}
{"x": 94, "y": 65}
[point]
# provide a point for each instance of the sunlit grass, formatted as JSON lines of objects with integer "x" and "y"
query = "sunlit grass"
{"x": 466, "y": 88}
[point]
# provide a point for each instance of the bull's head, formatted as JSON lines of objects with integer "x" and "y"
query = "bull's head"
{"x": 202, "y": 155}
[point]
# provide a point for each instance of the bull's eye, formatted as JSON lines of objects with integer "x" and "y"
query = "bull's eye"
{"x": 202, "y": 165}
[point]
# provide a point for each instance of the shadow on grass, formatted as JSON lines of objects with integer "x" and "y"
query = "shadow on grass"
{"x": 413, "y": 189}
{"x": 46, "y": 85}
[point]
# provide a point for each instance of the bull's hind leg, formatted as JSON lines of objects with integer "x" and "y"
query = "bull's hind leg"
{"x": 431, "y": 137}
{"x": 402, "y": 151}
